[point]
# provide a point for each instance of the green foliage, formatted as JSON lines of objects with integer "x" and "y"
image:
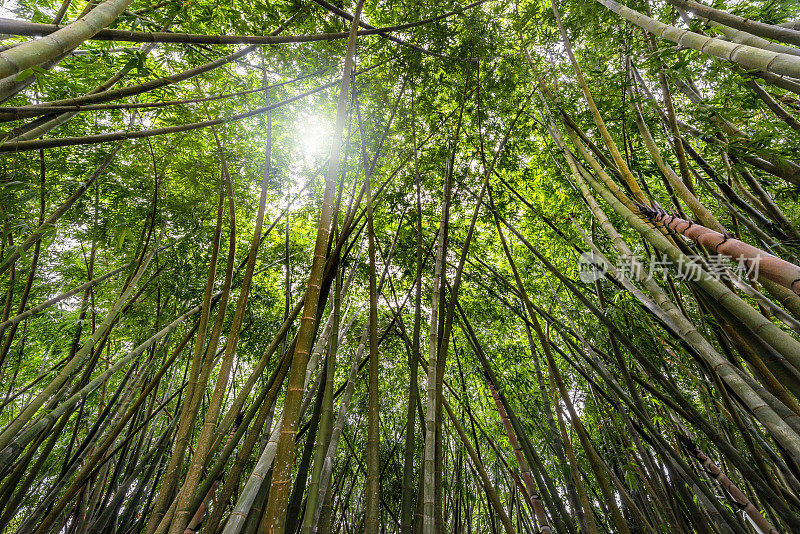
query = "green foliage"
{"x": 481, "y": 65}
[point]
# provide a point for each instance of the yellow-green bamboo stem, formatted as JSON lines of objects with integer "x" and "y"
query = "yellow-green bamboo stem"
{"x": 33, "y": 53}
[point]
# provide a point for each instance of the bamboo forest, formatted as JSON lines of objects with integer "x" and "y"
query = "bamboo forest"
{"x": 399, "y": 266}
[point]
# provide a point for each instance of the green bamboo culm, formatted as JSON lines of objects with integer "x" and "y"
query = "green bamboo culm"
{"x": 748, "y": 57}
{"x": 36, "y": 52}
{"x": 275, "y": 514}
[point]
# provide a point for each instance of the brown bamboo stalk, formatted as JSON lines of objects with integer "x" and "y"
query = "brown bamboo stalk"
{"x": 722, "y": 479}
{"x": 781, "y": 271}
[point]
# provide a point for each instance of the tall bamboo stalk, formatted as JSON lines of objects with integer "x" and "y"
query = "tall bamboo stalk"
{"x": 281, "y": 479}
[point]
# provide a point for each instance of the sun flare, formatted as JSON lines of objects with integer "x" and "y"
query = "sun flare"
{"x": 313, "y": 134}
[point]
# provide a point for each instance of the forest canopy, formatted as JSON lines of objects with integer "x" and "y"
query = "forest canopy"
{"x": 399, "y": 266}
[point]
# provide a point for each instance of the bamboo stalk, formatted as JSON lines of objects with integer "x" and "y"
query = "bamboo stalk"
{"x": 60, "y": 40}
{"x": 777, "y": 33}
{"x": 748, "y": 57}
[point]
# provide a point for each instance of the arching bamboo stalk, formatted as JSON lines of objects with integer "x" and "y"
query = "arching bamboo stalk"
{"x": 772, "y": 267}
{"x": 747, "y": 56}
{"x": 60, "y": 40}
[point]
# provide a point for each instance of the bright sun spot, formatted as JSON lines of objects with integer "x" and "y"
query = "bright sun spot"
{"x": 9, "y": 9}
{"x": 313, "y": 136}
